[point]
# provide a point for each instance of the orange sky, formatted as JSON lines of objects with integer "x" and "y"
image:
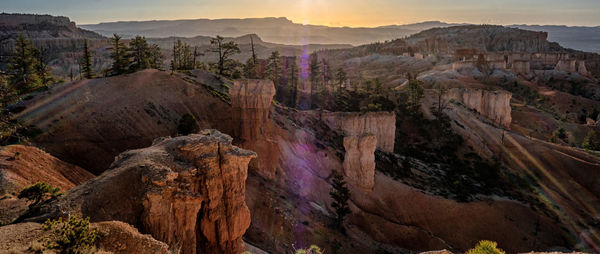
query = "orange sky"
{"x": 326, "y": 12}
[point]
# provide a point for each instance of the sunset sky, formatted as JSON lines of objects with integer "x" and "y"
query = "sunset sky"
{"x": 352, "y": 13}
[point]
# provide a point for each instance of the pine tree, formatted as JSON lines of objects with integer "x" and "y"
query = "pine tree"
{"x": 274, "y": 67}
{"x": 293, "y": 82}
{"x": 340, "y": 195}
{"x": 42, "y": 68}
{"x": 251, "y": 66}
{"x": 340, "y": 75}
{"x": 591, "y": 141}
{"x": 118, "y": 55}
{"x": 415, "y": 94}
{"x": 224, "y": 50}
{"x": 156, "y": 57}
{"x": 314, "y": 75}
{"x": 140, "y": 54}
{"x": 22, "y": 66}
{"x": 86, "y": 61}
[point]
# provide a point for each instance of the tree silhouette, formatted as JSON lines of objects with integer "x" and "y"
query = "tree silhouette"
{"x": 86, "y": 61}
{"x": 340, "y": 195}
{"x": 224, "y": 50}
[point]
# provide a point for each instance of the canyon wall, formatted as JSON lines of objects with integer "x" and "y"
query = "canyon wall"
{"x": 359, "y": 160}
{"x": 251, "y": 102}
{"x": 187, "y": 191}
{"x": 494, "y": 105}
{"x": 381, "y": 124}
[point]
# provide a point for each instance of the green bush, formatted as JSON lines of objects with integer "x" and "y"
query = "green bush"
{"x": 187, "y": 125}
{"x": 71, "y": 236}
{"x": 591, "y": 141}
{"x": 312, "y": 250}
{"x": 39, "y": 191}
{"x": 486, "y": 247}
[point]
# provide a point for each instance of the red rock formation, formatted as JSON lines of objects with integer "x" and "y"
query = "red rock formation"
{"x": 359, "y": 161}
{"x": 251, "y": 102}
{"x": 186, "y": 191}
{"x": 494, "y": 105}
{"x": 380, "y": 124}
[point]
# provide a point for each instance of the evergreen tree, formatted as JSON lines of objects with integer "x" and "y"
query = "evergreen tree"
{"x": 224, "y": 50}
{"x": 183, "y": 56}
{"x": 23, "y": 66}
{"x": 86, "y": 61}
{"x": 141, "y": 56}
{"x": 415, "y": 94}
{"x": 378, "y": 86}
{"x": 118, "y": 55}
{"x": 38, "y": 192}
{"x": 156, "y": 57}
{"x": 314, "y": 69}
{"x": 340, "y": 76}
{"x": 293, "y": 82}
{"x": 340, "y": 195}
{"x": 42, "y": 68}
{"x": 591, "y": 141}
{"x": 274, "y": 67}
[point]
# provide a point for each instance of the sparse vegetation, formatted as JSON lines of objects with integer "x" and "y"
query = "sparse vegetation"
{"x": 591, "y": 141}
{"x": 313, "y": 249}
{"x": 70, "y": 236}
{"x": 486, "y": 247}
{"x": 39, "y": 192}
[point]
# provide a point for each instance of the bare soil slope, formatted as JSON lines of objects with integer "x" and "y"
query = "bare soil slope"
{"x": 89, "y": 122}
{"x": 21, "y": 166}
{"x": 25, "y": 165}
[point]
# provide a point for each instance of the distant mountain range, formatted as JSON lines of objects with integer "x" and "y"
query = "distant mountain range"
{"x": 284, "y": 31}
{"x": 276, "y": 30}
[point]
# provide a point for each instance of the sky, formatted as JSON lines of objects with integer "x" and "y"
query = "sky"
{"x": 352, "y": 13}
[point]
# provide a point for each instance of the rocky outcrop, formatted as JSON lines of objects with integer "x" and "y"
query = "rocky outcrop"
{"x": 572, "y": 66}
{"x": 381, "y": 124}
{"x": 521, "y": 67}
{"x": 251, "y": 102}
{"x": 494, "y": 105}
{"x": 359, "y": 161}
{"x": 187, "y": 191}
{"x": 482, "y": 38}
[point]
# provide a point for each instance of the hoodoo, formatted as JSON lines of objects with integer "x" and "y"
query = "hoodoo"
{"x": 251, "y": 102}
{"x": 187, "y": 191}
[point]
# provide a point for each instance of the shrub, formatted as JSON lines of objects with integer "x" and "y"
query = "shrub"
{"x": 71, "y": 236}
{"x": 312, "y": 250}
{"x": 591, "y": 141}
{"x": 187, "y": 125}
{"x": 486, "y": 247}
{"x": 38, "y": 192}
